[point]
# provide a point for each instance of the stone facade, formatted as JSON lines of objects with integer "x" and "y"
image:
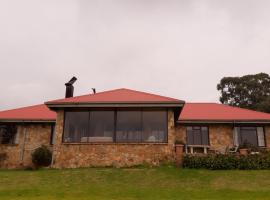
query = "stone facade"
{"x": 111, "y": 154}
{"x": 30, "y": 137}
{"x": 220, "y": 135}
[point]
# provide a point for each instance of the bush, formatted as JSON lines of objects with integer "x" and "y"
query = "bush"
{"x": 225, "y": 162}
{"x": 42, "y": 157}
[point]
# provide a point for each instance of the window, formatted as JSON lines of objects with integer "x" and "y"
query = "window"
{"x": 52, "y": 138}
{"x": 154, "y": 126}
{"x": 116, "y": 126}
{"x": 101, "y": 126}
{"x": 197, "y": 135}
{"x": 76, "y": 126}
{"x": 250, "y": 135}
{"x": 8, "y": 134}
{"x": 129, "y": 127}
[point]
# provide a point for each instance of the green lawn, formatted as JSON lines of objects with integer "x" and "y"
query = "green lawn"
{"x": 138, "y": 183}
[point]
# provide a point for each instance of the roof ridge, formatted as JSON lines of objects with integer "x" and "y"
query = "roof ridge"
{"x": 112, "y": 91}
{"x": 90, "y": 94}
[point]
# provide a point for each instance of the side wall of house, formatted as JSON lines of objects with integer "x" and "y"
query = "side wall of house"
{"x": 112, "y": 154}
{"x": 220, "y": 135}
{"x": 31, "y": 136}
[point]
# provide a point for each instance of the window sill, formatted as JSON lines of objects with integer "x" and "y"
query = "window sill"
{"x": 113, "y": 143}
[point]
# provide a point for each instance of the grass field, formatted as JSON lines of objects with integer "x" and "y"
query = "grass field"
{"x": 136, "y": 183}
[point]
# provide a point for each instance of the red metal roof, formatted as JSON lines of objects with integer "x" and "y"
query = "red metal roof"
{"x": 219, "y": 112}
{"x": 118, "y": 96}
{"x": 31, "y": 113}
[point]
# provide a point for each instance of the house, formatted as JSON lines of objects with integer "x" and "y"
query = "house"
{"x": 125, "y": 127}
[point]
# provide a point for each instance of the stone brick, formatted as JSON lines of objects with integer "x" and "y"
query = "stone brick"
{"x": 112, "y": 154}
{"x": 19, "y": 155}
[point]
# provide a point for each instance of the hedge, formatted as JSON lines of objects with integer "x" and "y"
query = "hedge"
{"x": 225, "y": 162}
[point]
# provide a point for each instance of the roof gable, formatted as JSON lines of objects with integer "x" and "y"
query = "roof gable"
{"x": 219, "y": 112}
{"x": 122, "y": 95}
{"x": 31, "y": 113}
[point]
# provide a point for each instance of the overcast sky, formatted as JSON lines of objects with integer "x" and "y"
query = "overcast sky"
{"x": 175, "y": 48}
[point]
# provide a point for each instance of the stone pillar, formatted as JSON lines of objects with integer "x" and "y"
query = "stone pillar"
{"x": 58, "y": 137}
{"x": 179, "y": 152}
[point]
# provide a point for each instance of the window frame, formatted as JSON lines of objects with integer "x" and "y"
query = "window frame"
{"x": 256, "y": 129}
{"x": 200, "y": 126}
{"x": 115, "y": 110}
{"x": 12, "y": 139}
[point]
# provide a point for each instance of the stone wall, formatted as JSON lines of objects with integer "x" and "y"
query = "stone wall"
{"x": 31, "y": 136}
{"x": 220, "y": 135}
{"x": 112, "y": 154}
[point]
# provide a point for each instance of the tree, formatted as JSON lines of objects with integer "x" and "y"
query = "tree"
{"x": 250, "y": 91}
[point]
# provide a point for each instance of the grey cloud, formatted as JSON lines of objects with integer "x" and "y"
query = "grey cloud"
{"x": 175, "y": 48}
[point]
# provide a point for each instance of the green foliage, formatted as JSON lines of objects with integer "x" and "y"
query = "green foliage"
{"x": 250, "y": 91}
{"x": 42, "y": 157}
{"x": 226, "y": 162}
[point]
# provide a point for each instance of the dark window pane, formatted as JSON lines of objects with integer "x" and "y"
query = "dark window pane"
{"x": 197, "y": 136}
{"x": 189, "y": 135}
{"x": 52, "y": 138}
{"x": 101, "y": 126}
{"x": 128, "y": 126}
{"x": 154, "y": 126}
{"x": 8, "y": 134}
{"x": 205, "y": 139}
{"x": 76, "y": 126}
{"x": 249, "y": 135}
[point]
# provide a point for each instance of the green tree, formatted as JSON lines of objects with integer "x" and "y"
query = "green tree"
{"x": 250, "y": 91}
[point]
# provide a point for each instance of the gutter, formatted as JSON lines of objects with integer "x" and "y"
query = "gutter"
{"x": 222, "y": 122}
{"x": 27, "y": 121}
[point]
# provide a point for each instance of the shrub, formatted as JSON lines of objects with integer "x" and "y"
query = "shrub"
{"x": 42, "y": 157}
{"x": 225, "y": 162}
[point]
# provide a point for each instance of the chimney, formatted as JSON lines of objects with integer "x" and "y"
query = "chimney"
{"x": 94, "y": 90}
{"x": 69, "y": 87}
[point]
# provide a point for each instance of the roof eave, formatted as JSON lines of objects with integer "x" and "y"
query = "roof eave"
{"x": 118, "y": 104}
{"x": 27, "y": 120}
{"x": 223, "y": 121}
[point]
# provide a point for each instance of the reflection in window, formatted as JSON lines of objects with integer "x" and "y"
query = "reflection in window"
{"x": 116, "y": 126}
{"x": 76, "y": 126}
{"x": 101, "y": 126}
{"x": 250, "y": 135}
{"x": 128, "y": 126}
{"x": 197, "y": 135}
{"x": 8, "y": 134}
{"x": 154, "y": 126}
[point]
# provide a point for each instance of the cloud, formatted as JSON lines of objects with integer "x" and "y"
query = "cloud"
{"x": 174, "y": 48}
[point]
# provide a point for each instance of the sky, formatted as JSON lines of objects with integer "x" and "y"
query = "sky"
{"x": 175, "y": 48}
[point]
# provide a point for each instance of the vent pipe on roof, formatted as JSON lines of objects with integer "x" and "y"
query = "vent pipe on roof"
{"x": 94, "y": 90}
{"x": 69, "y": 87}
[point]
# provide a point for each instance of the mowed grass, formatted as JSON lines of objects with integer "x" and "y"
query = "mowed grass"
{"x": 136, "y": 183}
